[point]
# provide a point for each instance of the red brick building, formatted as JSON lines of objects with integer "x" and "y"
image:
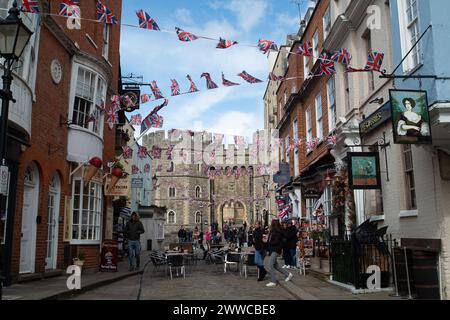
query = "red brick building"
{"x": 51, "y": 214}
{"x": 307, "y": 114}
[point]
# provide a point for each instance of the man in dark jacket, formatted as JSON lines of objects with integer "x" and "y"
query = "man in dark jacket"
{"x": 275, "y": 246}
{"x": 291, "y": 243}
{"x": 182, "y": 235}
{"x": 260, "y": 251}
{"x": 133, "y": 231}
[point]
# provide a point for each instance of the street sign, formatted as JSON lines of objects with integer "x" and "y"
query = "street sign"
{"x": 4, "y": 179}
{"x": 137, "y": 183}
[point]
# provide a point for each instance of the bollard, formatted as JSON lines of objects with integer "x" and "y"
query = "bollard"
{"x": 407, "y": 274}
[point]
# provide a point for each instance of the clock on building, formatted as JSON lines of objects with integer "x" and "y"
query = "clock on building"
{"x": 56, "y": 71}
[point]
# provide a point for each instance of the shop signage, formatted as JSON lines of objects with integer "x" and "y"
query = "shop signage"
{"x": 364, "y": 170}
{"x": 4, "y": 179}
{"x": 284, "y": 175}
{"x": 410, "y": 117}
{"x": 137, "y": 183}
{"x": 109, "y": 255}
{"x": 375, "y": 119}
{"x": 122, "y": 187}
{"x": 311, "y": 193}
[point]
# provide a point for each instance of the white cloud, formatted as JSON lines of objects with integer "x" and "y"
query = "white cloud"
{"x": 184, "y": 16}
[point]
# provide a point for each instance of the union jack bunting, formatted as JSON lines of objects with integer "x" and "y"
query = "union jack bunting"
{"x": 104, "y": 14}
{"x": 159, "y": 168}
{"x": 169, "y": 151}
{"x": 156, "y": 152}
{"x": 239, "y": 140}
{"x": 326, "y": 66}
{"x": 91, "y": 118}
{"x": 250, "y": 79}
{"x": 65, "y": 5}
{"x": 156, "y": 91}
{"x": 31, "y": 6}
{"x": 332, "y": 140}
{"x": 193, "y": 87}
{"x": 157, "y": 108}
{"x": 209, "y": 83}
{"x": 145, "y": 21}
{"x": 112, "y": 116}
{"x": 156, "y": 121}
{"x": 273, "y": 77}
{"x": 228, "y": 83}
{"x": 151, "y": 121}
{"x": 136, "y": 120}
{"x": 224, "y": 44}
{"x": 218, "y": 138}
{"x": 134, "y": 169}
{"x": 266, "y": 45}
{"x": 147, "y": 168}
{"x": 145, "y": 98}
{"x": 175, "y": 87}
{"x": 184, "y": 35}
{"x": 142, "y": 152}
{"x": 374, "y": 61}
{"x": 115, "y": 100}
{"x": 343, "y": 56}
{"x": 305, "y": 49}
{"x": 127, "y": 152}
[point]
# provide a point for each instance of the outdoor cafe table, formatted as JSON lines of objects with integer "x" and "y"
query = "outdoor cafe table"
{"x": 242, "y": 255}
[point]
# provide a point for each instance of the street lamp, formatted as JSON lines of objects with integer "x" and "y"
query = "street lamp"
{"x": 154, "y": 181}
{"x": 14, "y": 37}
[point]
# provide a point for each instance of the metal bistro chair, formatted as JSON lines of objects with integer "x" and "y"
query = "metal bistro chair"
{"x": 250, "y": 262}
{"x": 158, "y": 259}
{"x": 232, "y": 259}
{"x": 176, "y": 261}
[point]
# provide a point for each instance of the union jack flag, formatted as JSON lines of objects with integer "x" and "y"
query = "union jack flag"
{"x": 134, "y": 169}
{"x": 156, "y": 152}
{"x": 142, "y": 152}
{"x": 218, "y": 138}
{"x": 159, "y": 168}
{"x": 351, "y": 69}
{"x": 136, "y": 120}
{"x": 342, "y": 56}
{"x": 156, "y": 91}
{"x": 374, "y": 61}
{"x": 305, "y": 49}
{"x": 65, "y": 5}
{"x": 91, "y": 118}
{"x": 273, "y": 77}
{"x": 147, "y": 168}
{"x": 266, "y": 45}
{"x": 127, "y": 152}
{"x": 209, "y": 83}
{"x": 228, "y": 83}
{"x": 30, "y": 6}
{"x": 250, "y": 79}
{"x": 175, "y": 87}
{"x": 112, "y": 116}
{"x": 157, "y": 108}
{"x": 193, "y": 87}
{"x": 156, "y": 121}
{"x": 239, "y": 140}
{"x": 184, "y": 35}
{"x": 145, "y": 21}
{"x": 104, "y": 14}
{"x": 115, "y": 100}
{"x": 224, "y": 44}
{"x": 326, "y": 66}
{"x": 145, "y": 97}
{"x": 332, "y": 140}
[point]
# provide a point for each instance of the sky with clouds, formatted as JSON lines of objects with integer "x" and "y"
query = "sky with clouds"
{"x": 161, "y": 56}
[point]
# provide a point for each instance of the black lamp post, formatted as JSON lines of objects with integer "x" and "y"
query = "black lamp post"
{"x": 14, "y": 37}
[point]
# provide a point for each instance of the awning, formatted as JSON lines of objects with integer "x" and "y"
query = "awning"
{"x": 125, "y": 212}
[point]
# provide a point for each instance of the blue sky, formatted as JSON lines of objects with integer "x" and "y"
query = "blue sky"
{"x": 161, "y": 56}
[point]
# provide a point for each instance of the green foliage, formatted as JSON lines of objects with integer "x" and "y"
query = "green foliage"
{"x": 81, "y": 255}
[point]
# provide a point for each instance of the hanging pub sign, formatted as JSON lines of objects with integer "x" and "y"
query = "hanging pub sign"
{"x": 364, "y": 170}
{"x": 130, "y": 98}
{"x": 410, "y": 117}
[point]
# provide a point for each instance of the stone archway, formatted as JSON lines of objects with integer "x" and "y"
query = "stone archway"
{"x": 231, "y": 211}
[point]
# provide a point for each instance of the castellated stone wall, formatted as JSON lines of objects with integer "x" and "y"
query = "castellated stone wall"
{"x": 198, "y": 200}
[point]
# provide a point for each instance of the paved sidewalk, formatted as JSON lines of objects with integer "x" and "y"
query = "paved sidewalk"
{"x": 56, "y": 288}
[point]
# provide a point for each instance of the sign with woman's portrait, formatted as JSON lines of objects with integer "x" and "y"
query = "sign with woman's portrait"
{"x": 410, "y": 117}
{"x": 364, "y": 170}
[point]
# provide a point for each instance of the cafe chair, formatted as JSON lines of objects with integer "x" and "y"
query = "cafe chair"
{"x": 176, "y": 261}
{"x": 250, "y": 262}
{"x": 232, "y": 259}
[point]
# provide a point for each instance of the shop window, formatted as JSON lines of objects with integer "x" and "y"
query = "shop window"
{"x": 310, "y": 208}
{"x": 87, "y": 208}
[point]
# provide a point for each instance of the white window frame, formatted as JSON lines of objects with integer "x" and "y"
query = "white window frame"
{"x": 309, "y": 208}
{"x": 286, "y": 146}
{"x": 105, "y": 40}
{"x": 408, "y": 171}
{"x": 296, "y": 151}
{"x": 327, "y": 22}
{"x": 406, "y": 39}
{"x": 174, "y": 217}
{"x": 319, "y": 117}
{"x": 331, "y": 96}
{"x": 308, "y": 122}
{"x": 307, "y": 71}
{"x": 97, "y": 218}
{"x": 95, "y": 102}
{"x": 315, "y": 41}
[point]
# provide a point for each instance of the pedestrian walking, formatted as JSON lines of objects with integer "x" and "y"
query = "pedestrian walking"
{"x": 182, "y": 235}
{"x": 195, "y": 236}
{"x": 292, "y": 239}
{"x": 286, "y": 252}
{"x": 133, "y": 231}
{"x": 260, "y": 252}
{"x": 275, "y": 246}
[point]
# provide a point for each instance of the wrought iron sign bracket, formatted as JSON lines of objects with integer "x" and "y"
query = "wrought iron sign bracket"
{"x": 381, "y": 144}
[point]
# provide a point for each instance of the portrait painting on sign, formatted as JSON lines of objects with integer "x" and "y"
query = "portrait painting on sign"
{"x": 410, "y": 117}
